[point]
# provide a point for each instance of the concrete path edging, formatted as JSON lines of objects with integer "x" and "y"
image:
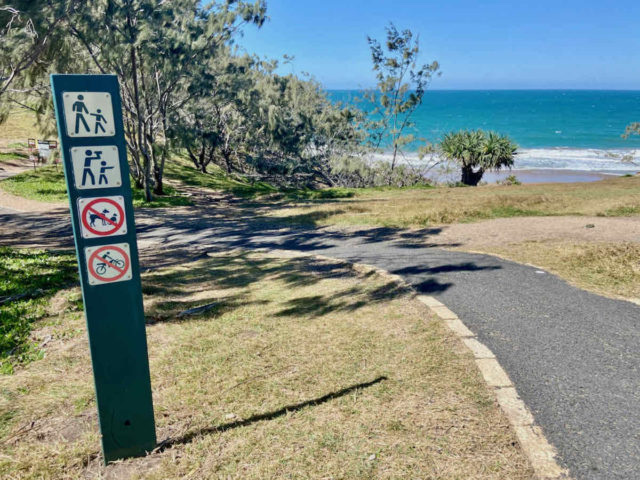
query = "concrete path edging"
{"x": 538, "y": 450}
{"x": 541, "y": 454}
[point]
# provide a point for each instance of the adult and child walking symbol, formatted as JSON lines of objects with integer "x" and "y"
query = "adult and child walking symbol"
{"x": 80, "y": 109}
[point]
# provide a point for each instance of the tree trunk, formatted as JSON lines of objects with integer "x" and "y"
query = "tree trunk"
{"x": 395, "y": 153}
{"x": 471, "y": 178}
{"x": 158, "y": 186}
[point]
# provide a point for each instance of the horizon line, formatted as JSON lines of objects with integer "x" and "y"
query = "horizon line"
{"x": 505, "y": 89}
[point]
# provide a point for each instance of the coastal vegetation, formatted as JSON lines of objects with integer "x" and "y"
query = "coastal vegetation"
{"x": 477, "y": 152}
{"x": 186, "y": 90}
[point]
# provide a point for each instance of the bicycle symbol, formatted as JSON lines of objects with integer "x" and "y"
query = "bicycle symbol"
{"x": 101, "y": 267}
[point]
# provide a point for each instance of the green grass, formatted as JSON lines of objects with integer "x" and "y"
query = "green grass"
{"x": 28, "y": 279}
{"x": 216, "y": 179}
{"x": 9, "y": 156}
{"x": 46, "y": 184}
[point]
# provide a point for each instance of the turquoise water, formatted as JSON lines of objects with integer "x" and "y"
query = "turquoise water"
{"x": 559, "y": 129}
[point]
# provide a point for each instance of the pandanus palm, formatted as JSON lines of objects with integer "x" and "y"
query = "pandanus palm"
{"x": 477, "y": 151}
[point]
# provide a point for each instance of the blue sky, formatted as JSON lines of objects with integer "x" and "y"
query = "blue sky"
{"x": 480, "y": 44}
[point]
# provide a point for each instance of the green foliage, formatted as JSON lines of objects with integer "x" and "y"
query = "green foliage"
{"x": 401, "y": 87}
{"x": 297, "y": 130}
{"x": 184, "y": 87}
{"x": 34, "y": 38}
{"x": 28, "y": 278}
{"x": 477, "y": 151}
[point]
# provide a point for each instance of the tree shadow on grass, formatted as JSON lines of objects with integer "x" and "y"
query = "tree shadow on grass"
{"x": 218, "y": 285}
{"x": 189, "y": 437}
{"x": 345, "y": 301}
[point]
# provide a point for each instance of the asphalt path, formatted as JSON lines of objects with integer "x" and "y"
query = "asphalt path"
{"x": 573, "y": 356}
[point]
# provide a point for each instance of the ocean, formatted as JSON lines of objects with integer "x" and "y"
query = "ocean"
{"x": 570, "y": 130}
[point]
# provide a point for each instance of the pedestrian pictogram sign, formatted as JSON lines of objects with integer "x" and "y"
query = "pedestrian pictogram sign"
{"x": 102, "y": 216}
{"x": 108, "y": 263}
{"x": 96, "y": 167}
{"x": 94, "y": 153}
{"x": 88, "y": 114}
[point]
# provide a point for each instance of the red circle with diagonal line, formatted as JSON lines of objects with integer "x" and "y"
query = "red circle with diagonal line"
{"x": 88, "y": 209}
{"x": 121, "y": 271}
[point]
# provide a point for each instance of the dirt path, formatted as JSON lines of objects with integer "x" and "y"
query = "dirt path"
{"x": 501, "y": 231}
{"x": 515, "y": 230}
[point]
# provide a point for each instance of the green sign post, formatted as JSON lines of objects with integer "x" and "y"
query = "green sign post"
{"x": 89, "y": 117}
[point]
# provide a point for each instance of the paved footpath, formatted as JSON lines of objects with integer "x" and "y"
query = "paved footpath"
{"x": 573, "y": 356}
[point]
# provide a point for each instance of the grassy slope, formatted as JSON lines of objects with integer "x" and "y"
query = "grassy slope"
{"x": 301, "y": 368}
{"x": 417, "y": 208}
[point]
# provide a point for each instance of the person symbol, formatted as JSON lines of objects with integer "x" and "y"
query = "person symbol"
{"x": 86, "y": 171}
{"x": 99, "y": 119}
{"x": 80, "y": 109}
{"x": 103, "y": 171}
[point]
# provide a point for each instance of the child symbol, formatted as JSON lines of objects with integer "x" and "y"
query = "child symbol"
{"x": 99, "y": 119}
{"x": 103, "y": 171}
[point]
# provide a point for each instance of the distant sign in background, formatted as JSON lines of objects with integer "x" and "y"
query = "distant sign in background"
{"x": 89, "y": 117}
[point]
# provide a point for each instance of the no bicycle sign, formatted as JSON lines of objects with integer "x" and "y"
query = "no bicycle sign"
{"x": 108, "y": 263}
{"x": 91, "y": 129}
{"x": 102, "y": 216}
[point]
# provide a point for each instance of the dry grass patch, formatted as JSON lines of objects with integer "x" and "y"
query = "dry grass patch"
{"x": 265, "y": 367}
{"x": 415, "y": 208}
{"x": 611, "y": 269}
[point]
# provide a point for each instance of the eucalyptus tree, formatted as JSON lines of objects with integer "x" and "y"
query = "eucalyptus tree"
{"x": 477, "y": 151}
{"x": 401, "y": 85}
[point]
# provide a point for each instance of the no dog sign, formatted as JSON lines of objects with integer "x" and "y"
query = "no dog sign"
{"x": 102, "y": 216}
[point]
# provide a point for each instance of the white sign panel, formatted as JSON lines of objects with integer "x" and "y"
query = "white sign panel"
{"x": 108, "y": 263}
{"x": 88, "y": 114}
{"x": 96, "y": 167}
{"x": 102, "y": 216}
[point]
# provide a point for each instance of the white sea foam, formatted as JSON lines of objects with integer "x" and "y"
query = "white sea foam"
{"x": 590, "y": 160}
